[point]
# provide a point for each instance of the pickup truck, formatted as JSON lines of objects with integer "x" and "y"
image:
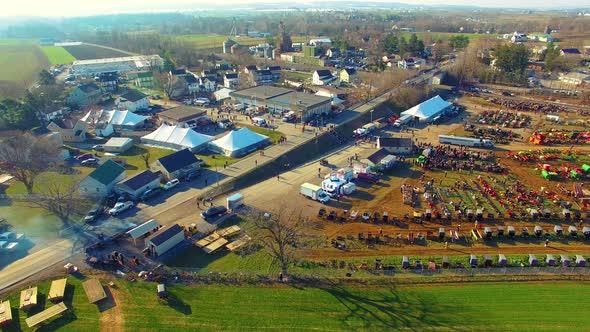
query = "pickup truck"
{"x": 120, "y": 207}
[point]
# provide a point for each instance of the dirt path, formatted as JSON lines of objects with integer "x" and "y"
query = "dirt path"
{"x": 111, "y": 318}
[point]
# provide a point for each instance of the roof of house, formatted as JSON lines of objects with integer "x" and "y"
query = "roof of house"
{"x": 88, "y": 87}
{"x": 190, "y": 79}
{"x": 350, "y": 71}
{"x": 273, "y": 68}
{"x": 133, "y": 95}
{"x": 324, "y": 73}
{"x": 571, "y": 51}
{"x": 146, "y": 74}
{"x": 178, "y": 160}
{"x": 183, "y": 113}
{"x": 280, "y": 95}
{"x": 231, "y": 75}
{"x": 251, "y": 67}
{"x": 118, "y": 141}
{"x": 263, "y": 72}
{"x": 107, "y": 172}
{"x": 108, "y": 77}
{"x": 409, "y": 60}
{"x": 165, "y": 235}
{"x": 395, "y": 142}
{"x": 376, "y": 157}
{"x": 177, "y": 72}
{"x": 140, "y": 179}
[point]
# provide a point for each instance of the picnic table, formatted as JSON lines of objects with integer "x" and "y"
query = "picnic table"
{"x": 5, "y": 313}
{"x": 207, "y": 240}
{"x": 94, "y": 290}
{"x": 215, "y": 245}
{"x": 46, "y": 314}
{"x": 57, "y": 289}
{"x": 237, "y": 244}
{"x": 229, "y": 231}
{"x": 28, "y": 298}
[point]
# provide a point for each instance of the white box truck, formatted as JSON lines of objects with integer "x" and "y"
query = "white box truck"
{"x": 314, "y": 192}
{"x": 403, "y": 120}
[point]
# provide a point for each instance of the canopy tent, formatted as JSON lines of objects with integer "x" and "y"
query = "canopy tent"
{"x": 177, "y": 138}
{"x": 239, "y": 142}
{"x": 428, "y": 109}
{"x": 114, "y": 117}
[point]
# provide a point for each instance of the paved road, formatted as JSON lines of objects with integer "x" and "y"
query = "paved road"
{"x": 181, "y": 207}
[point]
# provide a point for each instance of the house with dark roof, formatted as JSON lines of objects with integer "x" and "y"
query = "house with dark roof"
{"x": 322, "y": 77}
{"x": 276, "y": 72}
{"x": 137, "y": 184}
{"x": 571, "y": 52}
{"x": 164, "y": 240}
{"x": 101, "y": 181}
{"x": 177, "y": 72}
{"x": 192, "y": 83}
{"x": 177, "y": 165}
{"x": 133, "y": 100}
{"x": 408, "y": 63}
{"x": 348, "y": 75}
{"x": 375, "y": 158}
{"x": 231, "y": 80}
{"x": 395, "y": 145}
{"x": 333, "y": 52}
{"x": 262, "y": 77}
{"x": 250, "y": 68}
{"x": 85, "y": 95}
{"x": 70, "y": 130}
{"x": 183, "y": 116}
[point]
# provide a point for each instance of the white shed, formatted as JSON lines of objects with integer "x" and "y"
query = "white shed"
{"x": 165, "y": 240}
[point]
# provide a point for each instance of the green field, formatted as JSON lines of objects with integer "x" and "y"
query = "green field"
{"x": 57, "y": 55}
{"x": 330, "y": 306}
{"x": 20, "y": 60}
{"x": 202, "y": 41}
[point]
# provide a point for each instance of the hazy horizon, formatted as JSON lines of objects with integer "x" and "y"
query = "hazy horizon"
{"x": 66, "y": 8}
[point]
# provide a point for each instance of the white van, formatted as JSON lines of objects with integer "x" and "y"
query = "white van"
{"x": 259, "y": 122}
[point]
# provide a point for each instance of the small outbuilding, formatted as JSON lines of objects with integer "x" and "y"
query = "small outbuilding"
{"x": 143, "y": 229}
{"x": 177, "y": 164}
{"x": 580, "y": 261}
{"x": 550, "y": 260}
{"x": 533, "y": 260}
{"x": 473, "y": 261}
{"x": 165, "y": 239}
{"x": 118, "y": 144}
{"x": 565, "y": 260}
{"x": 136, "y": 185}
{"x": 502, "y": 260}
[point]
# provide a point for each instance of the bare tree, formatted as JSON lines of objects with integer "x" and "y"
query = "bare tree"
{"x": 146, "y": 159}
{"x": 166, "y": 81}
{"x": 26, "y": 156}
{"x": 61, "y": 198}
{"x": 281, "y": 234}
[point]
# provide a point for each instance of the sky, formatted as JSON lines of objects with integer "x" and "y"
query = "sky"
{"x": 58, "y": 8}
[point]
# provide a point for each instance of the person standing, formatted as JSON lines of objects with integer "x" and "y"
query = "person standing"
{"x": 546, "y": 243}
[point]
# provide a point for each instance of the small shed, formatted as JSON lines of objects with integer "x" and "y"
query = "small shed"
{"x": 118, "y": 144}
{"x": 538, "y": 231}
{"x": 502, "y": 260}
{"x": 405, "y": 262}
{"x": 446, "y": 263}
{"x": 46, "y": 314}
{"x": 565, "y": 260}
{"x": 162, "y": 291}
{"x": 573, "y": 230}
{"x": 487, "y": 260}
{"x": 558, "y": 230}
{"x": 57, "y": 290}
{"x": 580, "y": 261}
{"x": 5, "y": 313}
{"x": 586, "y": 231}
{"x": 143, "y": 229}
{"x": 165, "y": 240}
{"x": 94, "y": 290}
{"x": 28, "y": 298}
{"x": 473, "y": 260}
{"x": 550, "y": 260}
{"x": 500, "y": 230}
{"x": 533, "y": 260}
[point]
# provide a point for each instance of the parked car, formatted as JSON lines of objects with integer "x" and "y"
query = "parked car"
{"x": 151, "y": 193}
{"x": 225, "y": 124}
{"x": 366, "y": 177}
{"x": 98, "y": 147}
{"x": 11, "y": 236}
{"x": 192, "y": 176}
{"x": 89, "y": 162}
{"x": 123, "y": 198}
{"x": 171, "y": 184}
{"x": 213, "y": 212}
{"x": 84, "y": 156}
{"x": 93, "y": 215}
{"x": 120, "y": 207}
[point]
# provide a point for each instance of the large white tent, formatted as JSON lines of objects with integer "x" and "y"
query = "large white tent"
{"x": 177, "y": 138}
{"x": 119, "y": 119}
{"x": 429, "y": 109}
{"x": 239, "y": 142}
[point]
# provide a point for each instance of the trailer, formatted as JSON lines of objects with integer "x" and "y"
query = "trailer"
{"x": 314, "y": 192}
{"x": 473, "y": 261}
{"x": 572, "y": 230}
{"x": 565, "y": 260}
{"x": 550, "y": 260}
{"x": 161, "y": 291}
{"x": 558, "y": 230}
{"x": 500, "y": 230}
{"x": 533, "y": 260}
{"x": 538, "y": 231}
{"x": 502, "y": 260}
{"x": 465, "y": 141}
{"x": 580, "y": 261}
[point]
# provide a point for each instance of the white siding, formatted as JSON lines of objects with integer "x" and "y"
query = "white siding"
{"x": 169, "y": 244}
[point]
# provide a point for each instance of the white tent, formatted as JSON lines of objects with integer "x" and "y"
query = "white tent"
{"x": 177, "y": 138}
{"x": 124, "y": 119}
{"x": 239, "y": 142}
{"x": 428, "y": 109}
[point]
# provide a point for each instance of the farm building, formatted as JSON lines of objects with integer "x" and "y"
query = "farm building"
{"x": 575, "y": 78}
{"x": 278, "y": 99}
{"x": 70, "y": 130}
{"x": 124, "y": 120}
{"x": 144, "y": 80}
{"x": 118, "y": 144}
{"x": 143, "y": 229}
{"x": 395, "y": 145}
{"x": 85, "y": 95}
{"x": 102, "y": 180}
{"x": 238, "y": 143}
{"x": 428, "y": 110}
{"x": 182, "y": 116}
{"x": 165, "y": 240}
{"x": 133, "y": 101}
{"x": 177, "y": 164}
{"x": 177, "y": 138}
{"x": 136, "y": 185}
{"x": 120, "y": 65}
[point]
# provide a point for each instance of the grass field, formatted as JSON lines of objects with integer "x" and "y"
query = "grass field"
{"x": 57, "y": 55}
{"x": 86, "y": 52}
{"x": 202, "y": 41}
{"x": 20, "y": 60}
{"x": 274, "y": 136}
{"x": 556, "y": 306}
